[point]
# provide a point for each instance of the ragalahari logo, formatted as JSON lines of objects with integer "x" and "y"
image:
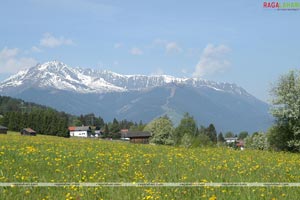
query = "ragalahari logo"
{"x": 281, "y": 5}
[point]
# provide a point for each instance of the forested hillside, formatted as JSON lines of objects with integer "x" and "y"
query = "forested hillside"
{"x": 8, "y": 104}
{"x": 17, "y": 114}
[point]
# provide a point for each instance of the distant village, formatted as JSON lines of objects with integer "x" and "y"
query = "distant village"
{"x": 140, "y": 137}
{"x": 31, "y": 119}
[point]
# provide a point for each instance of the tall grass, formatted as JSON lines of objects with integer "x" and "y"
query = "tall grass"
{"x": 53, "y": 159}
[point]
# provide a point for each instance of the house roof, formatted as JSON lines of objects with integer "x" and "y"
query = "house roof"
{"x": 79, "y": 128}
{"x": 231, "y": 138}
{"x": 138, "y": 134}
{"x": 72, "y": 128}
{"x": 3, "y": 128}
{"x": 29, "y": 130}
{"x": 124, "y": 130}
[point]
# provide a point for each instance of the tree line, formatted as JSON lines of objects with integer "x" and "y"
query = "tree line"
{"x": 109, "y": 129}
{"x": 187, "y": 133}
{"x": 48, "y": 122}
{"x": 17, "y": 114}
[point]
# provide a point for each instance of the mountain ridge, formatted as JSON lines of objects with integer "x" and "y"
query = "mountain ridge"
{"x": 60, "y": 76}
{"x": 138, "y": 97}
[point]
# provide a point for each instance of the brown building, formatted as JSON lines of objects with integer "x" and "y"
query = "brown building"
{"x": 3, "y": 130}
{"x": 240, "y": 143}
{"x": 138, "y": 137}
{"x": 124, "y": 134}
{"x": 28, "y": 131}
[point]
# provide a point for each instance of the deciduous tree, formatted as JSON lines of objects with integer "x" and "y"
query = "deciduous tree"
{"x": 162, "y": 131}
{"x": 286, "y": 110}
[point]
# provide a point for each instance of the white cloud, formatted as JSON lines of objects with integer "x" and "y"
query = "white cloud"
{"x": 11, "y": 61}
{"x": 212, "y": 60}
{"x": 36, "y": 49}
{"x": 50, "y": 41}
{"x": 136, "y": 51}
{"x": 159, "y": 42}
{"x": 118, "y": 45}
{"x": 173, "y": 47}
{"x": 8, "y": 53}
{"x": 169, "y": 46}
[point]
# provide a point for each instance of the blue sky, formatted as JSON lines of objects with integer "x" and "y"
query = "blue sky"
{"x": 227, "y": 41}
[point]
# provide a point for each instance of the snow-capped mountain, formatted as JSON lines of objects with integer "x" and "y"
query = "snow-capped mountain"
{"x": 57, "y": 75}
{"x": 138, "y": 97}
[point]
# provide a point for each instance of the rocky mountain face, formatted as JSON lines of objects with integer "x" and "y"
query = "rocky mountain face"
{"x": 138, "y": 97}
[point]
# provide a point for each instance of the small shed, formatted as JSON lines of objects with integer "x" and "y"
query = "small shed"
{"x": 141, "y": 137}
{"x": 28, "y": 131}
{"x": 3, "y": 130}
{"x": 240, "y": 143}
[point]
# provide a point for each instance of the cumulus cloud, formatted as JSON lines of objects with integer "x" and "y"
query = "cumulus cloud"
{"x": 169, "y": 46}
{"x": 11, "y": 61}
{"x": 212, "y": 60}
{"x": 51, "y": 41}
{"x": 172, "y": 47}
{"x": 136, "y": 51}
{"x": 118, "y": 45}
{"x": 36, "y": 49}
{"x": 7, "y": 53}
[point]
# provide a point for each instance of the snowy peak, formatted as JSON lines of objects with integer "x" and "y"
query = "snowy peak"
{"x": 52, "y": 66}
{"x": 58, "y": 75}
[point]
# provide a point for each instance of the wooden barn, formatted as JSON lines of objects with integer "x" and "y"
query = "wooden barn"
{"x": 28, "y": 131}
{"x": 138, "y": 137}
{"x": 3, "y": 130}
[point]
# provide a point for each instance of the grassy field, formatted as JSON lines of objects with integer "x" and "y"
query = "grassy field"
{"x": 53, "y": 159}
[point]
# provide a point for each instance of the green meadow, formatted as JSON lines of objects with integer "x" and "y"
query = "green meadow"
{"x": 49, "y": 159}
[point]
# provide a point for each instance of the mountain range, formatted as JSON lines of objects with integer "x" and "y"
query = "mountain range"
{"x": 138, "y": 97}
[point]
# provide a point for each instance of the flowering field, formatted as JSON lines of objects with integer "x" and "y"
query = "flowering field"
{"x": 44, "y": 159}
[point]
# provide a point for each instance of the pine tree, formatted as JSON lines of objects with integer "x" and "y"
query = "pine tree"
{"x": 211, "y": 132}
{"x": 221, "y": 138}
{"x": 115, "y": 128}
{"x": 106, "y": 131}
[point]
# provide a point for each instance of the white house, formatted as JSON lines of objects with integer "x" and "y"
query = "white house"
{"x": 80, "y": 131}
{"x": 231, "y": 140}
